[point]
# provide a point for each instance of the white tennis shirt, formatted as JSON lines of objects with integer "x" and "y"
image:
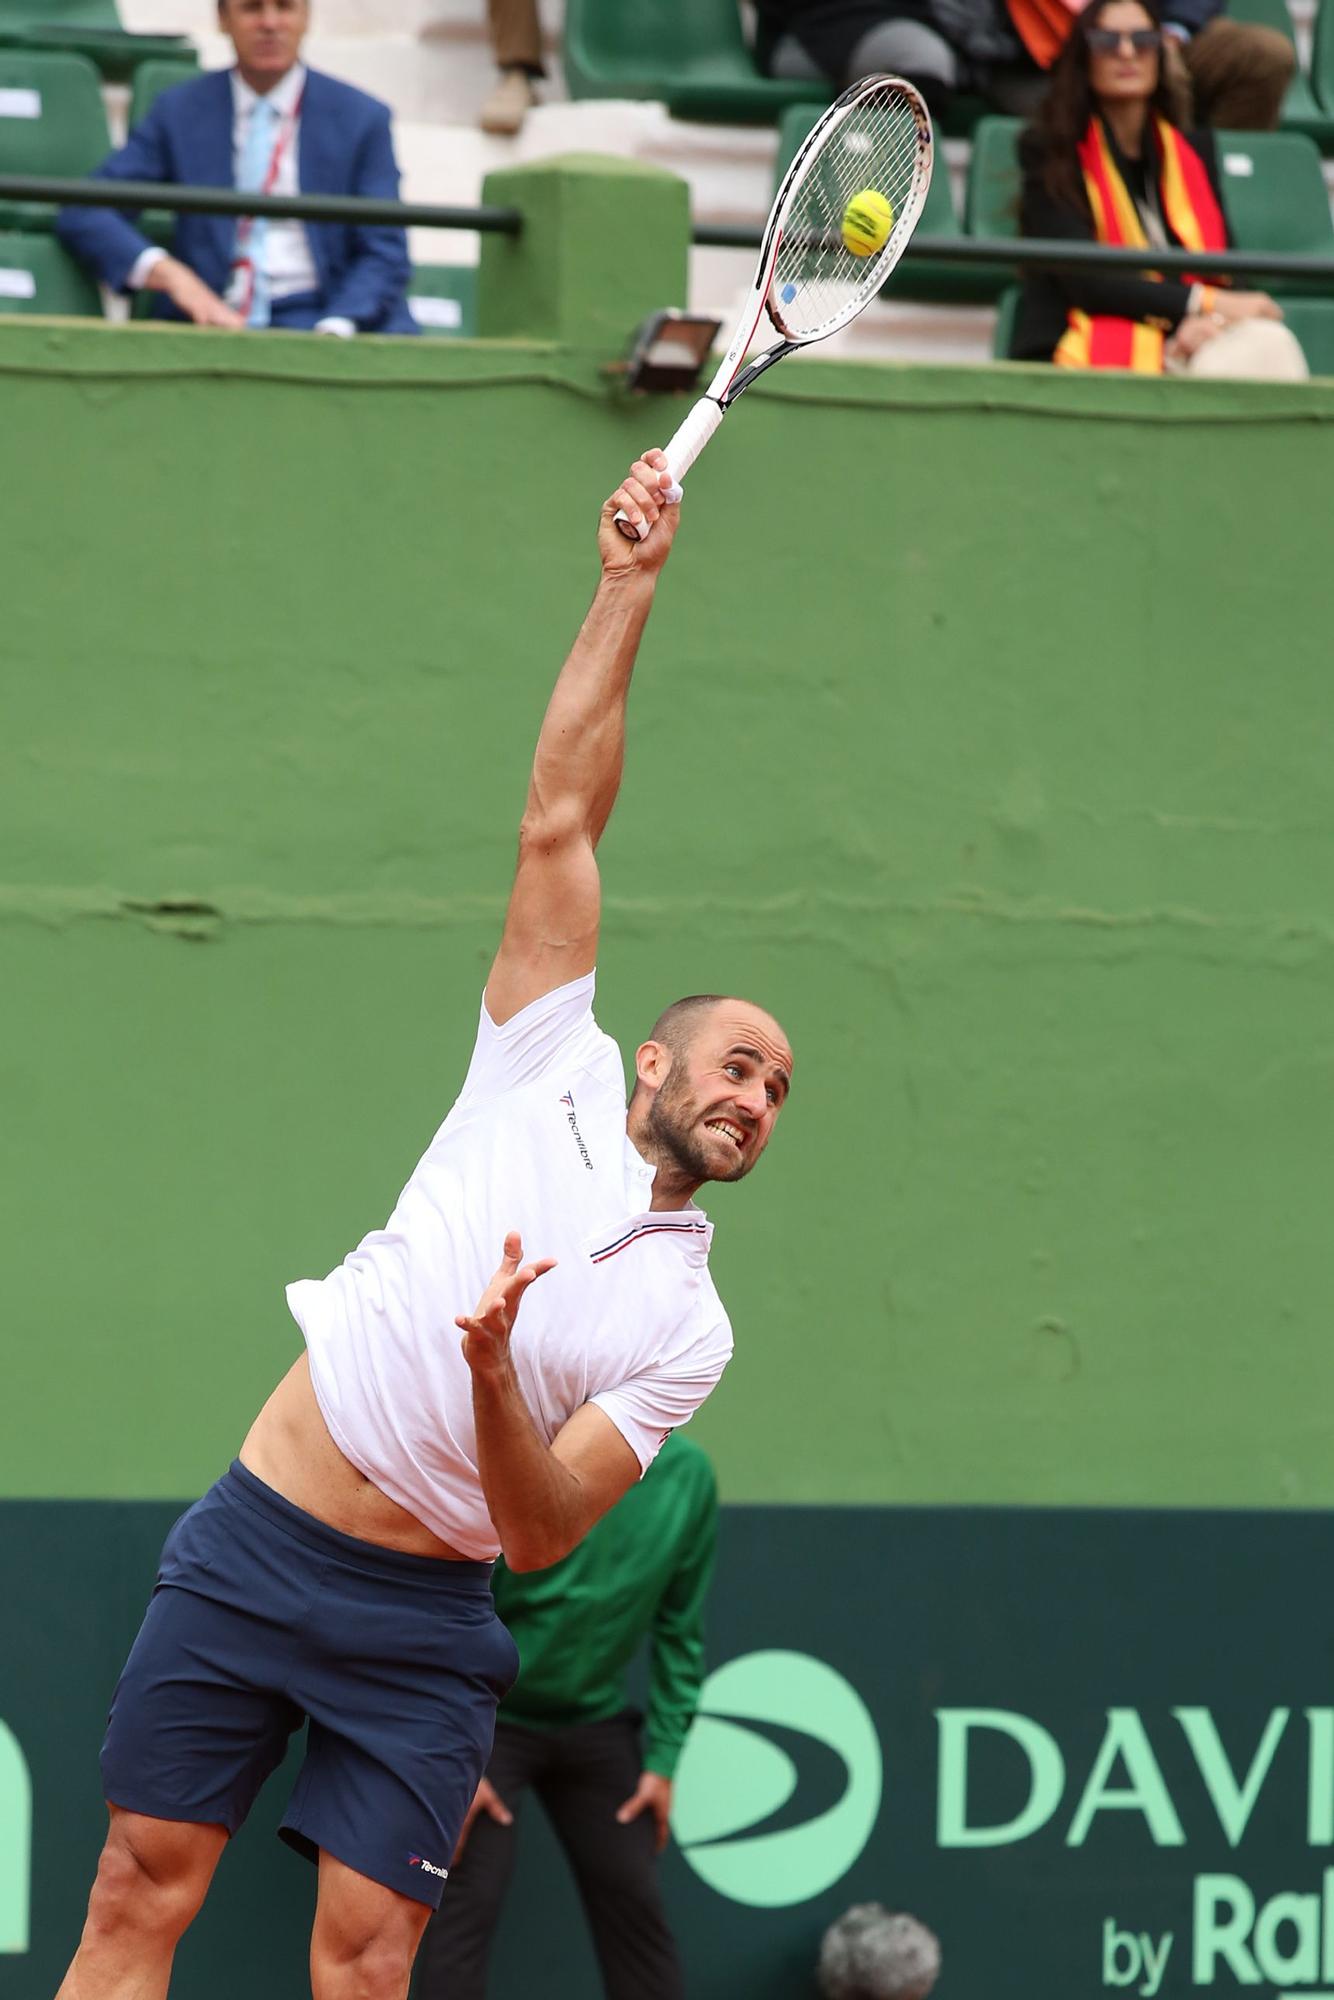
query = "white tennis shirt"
{"x": 629, "y": 1319}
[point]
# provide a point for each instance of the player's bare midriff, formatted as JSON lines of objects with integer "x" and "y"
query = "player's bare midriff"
{"x": 289, "y": 1447}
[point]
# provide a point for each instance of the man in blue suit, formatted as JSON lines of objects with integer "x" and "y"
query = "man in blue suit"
{"x": 270, "y": 125}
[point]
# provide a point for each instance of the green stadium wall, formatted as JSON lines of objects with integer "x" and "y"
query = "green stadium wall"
{"x": 981, "y": 730}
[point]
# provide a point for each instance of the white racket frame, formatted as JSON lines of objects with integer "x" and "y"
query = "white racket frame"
{"x": 690, "y": 438}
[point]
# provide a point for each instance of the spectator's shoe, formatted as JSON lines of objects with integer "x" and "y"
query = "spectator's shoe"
{"x": 509, "y": 103}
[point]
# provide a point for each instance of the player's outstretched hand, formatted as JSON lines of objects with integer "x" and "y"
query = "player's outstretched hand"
{"x": 643, "y": 496}
{"x": 486, "y": 1332}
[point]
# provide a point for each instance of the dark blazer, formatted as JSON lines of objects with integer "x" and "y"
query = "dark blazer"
{"x": 344, "y": 147}
{"x": 1048, "y": 296}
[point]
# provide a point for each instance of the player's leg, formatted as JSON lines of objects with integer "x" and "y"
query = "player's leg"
{"x": 790, "y": 61}
{"x": 365, "y": 1936}
{"x": 403, "y": 1666}
{"x": 898, "y": 47}
{"x": 616, "y": 1867}
{"x": 198, "y": 1721}
{"x": 151, "y": 1880}
{"x": 456, "y": 1950}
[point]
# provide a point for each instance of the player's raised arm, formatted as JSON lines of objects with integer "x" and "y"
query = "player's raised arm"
{"x": 551, "y": 927}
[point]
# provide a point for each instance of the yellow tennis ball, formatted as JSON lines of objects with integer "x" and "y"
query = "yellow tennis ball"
{"x": 867, "y": 221}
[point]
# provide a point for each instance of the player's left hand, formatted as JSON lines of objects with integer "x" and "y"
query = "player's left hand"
{"x": 652, "y": 1794}
{"x": 486, "y": 1332}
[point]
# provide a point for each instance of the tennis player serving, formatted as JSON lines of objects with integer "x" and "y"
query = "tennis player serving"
{"x": 339, "y": 1572}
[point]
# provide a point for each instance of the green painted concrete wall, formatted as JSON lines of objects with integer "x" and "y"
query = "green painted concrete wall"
{"x": 983, "y": 730}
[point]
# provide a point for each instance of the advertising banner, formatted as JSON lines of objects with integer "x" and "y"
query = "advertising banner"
{"x": 1092, "y": 1751}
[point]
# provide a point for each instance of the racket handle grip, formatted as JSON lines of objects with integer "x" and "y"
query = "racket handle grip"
{"x": 685, "y": 446}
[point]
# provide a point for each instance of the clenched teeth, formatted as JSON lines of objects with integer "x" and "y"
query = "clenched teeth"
{"x": 733, "y": 1132}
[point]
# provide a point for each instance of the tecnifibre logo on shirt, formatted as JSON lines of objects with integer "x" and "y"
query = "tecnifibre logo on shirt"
{"x": 568, "y": 1101}
{"x": 780, "y": 1781}
{"x": 427, "y": 1867}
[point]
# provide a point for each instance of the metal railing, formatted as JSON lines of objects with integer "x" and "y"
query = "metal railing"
{"x": 1032, "y": 253}
{"x": 138, "y": 195}
{"x": 1046, "y": 253}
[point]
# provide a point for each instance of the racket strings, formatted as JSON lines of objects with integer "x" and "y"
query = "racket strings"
{"x": 881, "y": 144}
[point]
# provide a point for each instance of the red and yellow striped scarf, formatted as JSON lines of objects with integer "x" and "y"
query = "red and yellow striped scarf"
{"x": 1192, "y": 215}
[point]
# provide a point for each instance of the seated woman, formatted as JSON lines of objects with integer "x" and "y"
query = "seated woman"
{"x": 1106, "y": 161}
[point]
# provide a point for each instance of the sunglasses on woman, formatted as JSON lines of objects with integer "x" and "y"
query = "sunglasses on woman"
{"x": 1107, "y": 41}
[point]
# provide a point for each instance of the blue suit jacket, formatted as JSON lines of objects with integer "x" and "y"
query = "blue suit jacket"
{"x": 344, "y": 147}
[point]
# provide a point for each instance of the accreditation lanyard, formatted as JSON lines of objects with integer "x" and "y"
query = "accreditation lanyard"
{"x": 241, "y": 290}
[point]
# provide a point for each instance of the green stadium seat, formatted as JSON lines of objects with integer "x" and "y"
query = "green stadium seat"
{"x": 938, "y": 282}
{"x": 1322, "y": 58}
{"x": 442, "y": 298}
{"x": 51, "y": 122}
{"x": 1274, "y": 192}
{"x": 991, "y": 207}
{"x": 38, "y": 275}
{"x": 793, "y": 126}
{"x": 34, "y": 17}
{"x": 1007, "y": 306}
{"x": 1312, "y": 320}
{"x": 89, "y": 28}
{"x": 1275, "y": 196}
{"x": 1301, "y": 112}
{"x": 962, "y": 115}
{"x": 689, "y": 54}
{"x": 151, "y": 78}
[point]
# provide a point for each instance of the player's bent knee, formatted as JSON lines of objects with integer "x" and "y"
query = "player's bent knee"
{"x": 377, "y": 1968}
{"x": 363, "y": 1955}
{"x": 154, "y": 1885}
{"x": 382, "y": 1968}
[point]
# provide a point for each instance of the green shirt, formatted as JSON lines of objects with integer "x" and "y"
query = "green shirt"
{"x": 643, "y": 1571}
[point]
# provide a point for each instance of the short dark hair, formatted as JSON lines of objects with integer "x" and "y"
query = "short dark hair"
{"x": 675, "y": 1026}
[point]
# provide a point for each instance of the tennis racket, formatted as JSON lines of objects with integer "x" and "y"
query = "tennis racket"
{"x": 875, "y": 137}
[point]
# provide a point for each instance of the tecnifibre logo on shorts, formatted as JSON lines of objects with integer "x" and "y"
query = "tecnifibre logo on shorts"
{"x": 427, "y": 1867}
{"x": 780, "y": 1781}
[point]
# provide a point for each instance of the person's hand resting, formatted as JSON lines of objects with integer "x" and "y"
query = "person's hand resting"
{"x": 486, "y": 1799}
{"x": 1245, "y": 305}
{"x": 1194, "y": 332}
{"x": 653, "y": 1794}
{"x": 198, "y": 301}
{"x": 1225, "y": 309}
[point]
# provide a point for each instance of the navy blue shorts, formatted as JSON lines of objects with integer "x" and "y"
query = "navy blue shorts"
{"x": 261, "y": 1619}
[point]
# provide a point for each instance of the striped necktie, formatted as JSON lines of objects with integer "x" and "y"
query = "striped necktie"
{"x": 256, "y": 154}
